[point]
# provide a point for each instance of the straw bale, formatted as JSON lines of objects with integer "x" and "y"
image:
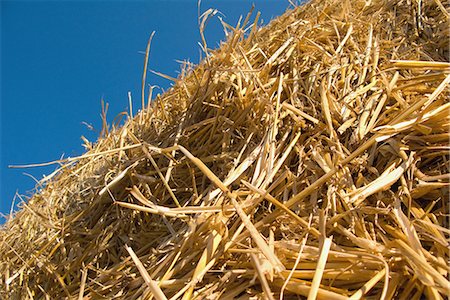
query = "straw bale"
{"x": 308, "y": 158}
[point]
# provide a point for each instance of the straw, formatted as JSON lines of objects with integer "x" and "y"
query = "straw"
{"x": 305, "y": 159}
{"x": 156, "y": 290}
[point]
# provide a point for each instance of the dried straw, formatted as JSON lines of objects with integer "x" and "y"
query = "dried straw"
{"x": 308, "y": 158}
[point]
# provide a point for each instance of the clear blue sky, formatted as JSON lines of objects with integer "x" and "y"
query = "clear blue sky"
{"x": 59, "y": 58}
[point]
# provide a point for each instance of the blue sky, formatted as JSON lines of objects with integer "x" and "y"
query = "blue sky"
{"x": 60, "y": 58}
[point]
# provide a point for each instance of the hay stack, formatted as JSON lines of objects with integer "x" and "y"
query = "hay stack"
{"x": 309, "y": 157}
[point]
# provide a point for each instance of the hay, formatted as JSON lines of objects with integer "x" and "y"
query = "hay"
{"x": 307, "y": 158}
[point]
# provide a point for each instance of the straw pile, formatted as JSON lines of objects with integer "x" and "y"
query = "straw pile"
{"x": 309, "y": 158}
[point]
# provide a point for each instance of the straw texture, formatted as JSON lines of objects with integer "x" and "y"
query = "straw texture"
{"x": 308, "y": 158}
